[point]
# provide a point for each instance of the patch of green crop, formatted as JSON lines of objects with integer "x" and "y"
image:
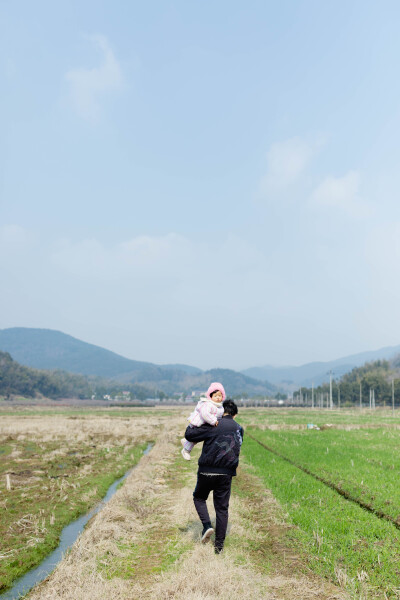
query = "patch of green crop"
{"x": 364, "y": 463}
{"x": 300, "y": 416}
{"x": 343, "y": 541}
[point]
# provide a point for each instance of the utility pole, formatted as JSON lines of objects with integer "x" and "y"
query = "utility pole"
{"x": 392, "y": 397}
{"x": 360, "y": 394}
{"x": 338, "y": 396}
{"x": 312, "y": 395}
{"x": 330, "y": 390}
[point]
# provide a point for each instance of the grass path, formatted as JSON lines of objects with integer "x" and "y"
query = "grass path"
{"x": 145, "y": 542}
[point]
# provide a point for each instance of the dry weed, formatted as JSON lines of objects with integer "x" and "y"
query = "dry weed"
{"x": 203, "y": 575}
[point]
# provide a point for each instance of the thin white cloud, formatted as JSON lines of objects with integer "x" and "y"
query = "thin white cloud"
{"x": 88, "y": 85}
{"x": 15, "y": 243}
{"x": 187, "y": 263}
{"x": 341, "y": 193}
{"x": 140, "y": 257}
{"x": 381, "y": 252}
{"x": 286, "y": 162}
{"x": 13, "y": 235}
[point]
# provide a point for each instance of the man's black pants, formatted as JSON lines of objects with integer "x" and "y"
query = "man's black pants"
{"x": 221, "y": 487}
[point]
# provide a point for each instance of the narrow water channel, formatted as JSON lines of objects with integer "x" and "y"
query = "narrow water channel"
{"x": 68, "y": 536}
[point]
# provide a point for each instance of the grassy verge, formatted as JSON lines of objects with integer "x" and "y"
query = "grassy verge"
{"x": 343, "y": 541}
{"x": 52, "y": 483}
{"x": 160, "y": 544}
{"x": 153, "y": 553}
{"x": 258, "y": 545}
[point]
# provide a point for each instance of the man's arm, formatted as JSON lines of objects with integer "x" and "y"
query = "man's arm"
{"x": 199, "y": 434}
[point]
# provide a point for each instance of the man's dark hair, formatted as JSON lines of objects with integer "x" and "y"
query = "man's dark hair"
{"x": 230, "y": 407}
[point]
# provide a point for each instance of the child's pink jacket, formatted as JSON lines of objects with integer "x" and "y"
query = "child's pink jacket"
{"x": 205, "y": 412}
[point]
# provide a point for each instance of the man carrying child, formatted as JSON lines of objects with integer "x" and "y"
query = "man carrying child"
{"x": 217, "y": 465}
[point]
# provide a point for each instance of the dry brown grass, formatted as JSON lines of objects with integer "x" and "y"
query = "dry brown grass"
{"x": 44, "y": 428}
{"x": 202, "y": 575}
{"x": 154, "y": 506}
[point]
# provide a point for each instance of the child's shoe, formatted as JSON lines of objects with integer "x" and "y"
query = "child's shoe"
{"x": 184, "y": 452}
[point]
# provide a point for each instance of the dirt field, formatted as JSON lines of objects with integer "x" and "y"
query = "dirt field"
{"x": 145, "y": 542}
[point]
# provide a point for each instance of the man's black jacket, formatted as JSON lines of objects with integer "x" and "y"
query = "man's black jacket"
{"x": 221, "y": 445}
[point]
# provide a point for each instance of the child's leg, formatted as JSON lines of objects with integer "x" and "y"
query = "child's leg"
{"x": 187, "y": 445}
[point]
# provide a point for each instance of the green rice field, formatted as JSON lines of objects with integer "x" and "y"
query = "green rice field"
{"x": 340, "y": 488}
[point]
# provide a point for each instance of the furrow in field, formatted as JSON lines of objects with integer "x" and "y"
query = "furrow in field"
{"x": 342, "y": 540}
{"x": 364, "y": 463}
{"x": 331, "y": 484}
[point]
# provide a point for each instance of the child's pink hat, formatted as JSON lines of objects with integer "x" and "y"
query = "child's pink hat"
{"x": 215, "y": 387}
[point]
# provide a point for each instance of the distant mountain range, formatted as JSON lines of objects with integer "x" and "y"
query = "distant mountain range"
{"x": 290, "y": 378}
{"x": 49, "y": 349}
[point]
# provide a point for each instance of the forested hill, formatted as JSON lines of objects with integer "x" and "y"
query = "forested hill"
{"x": 48, "y": 349}
{"x": 172, "y": 381}
{"x": 15, "y": 379}
{"x": 376, "y": 376}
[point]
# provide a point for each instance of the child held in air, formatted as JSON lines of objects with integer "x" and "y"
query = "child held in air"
{"x": 208, "y": 410}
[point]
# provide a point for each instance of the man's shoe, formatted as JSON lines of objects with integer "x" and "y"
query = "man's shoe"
{"x": 206, "y": 534}
{"x": 218, "y": 549}
{"x": 185, "y": 454}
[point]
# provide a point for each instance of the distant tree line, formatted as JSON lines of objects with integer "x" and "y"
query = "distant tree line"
{"x": 375, "y": 377}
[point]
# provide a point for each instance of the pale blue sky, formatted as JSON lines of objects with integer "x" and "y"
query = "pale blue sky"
{"x": 213, "y": 183}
